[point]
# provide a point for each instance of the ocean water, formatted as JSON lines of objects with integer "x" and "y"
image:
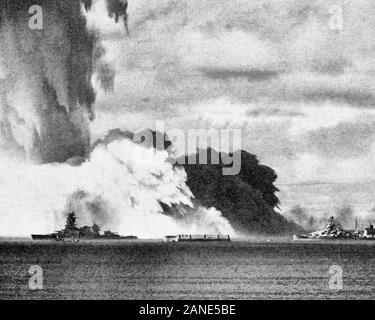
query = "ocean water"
{"x": 157, "y": 270}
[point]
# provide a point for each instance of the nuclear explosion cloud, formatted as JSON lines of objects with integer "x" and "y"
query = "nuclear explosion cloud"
{"x": 46, "y": 93}
{"x": 122, "y": 187}
{"x": 48, "y": 166}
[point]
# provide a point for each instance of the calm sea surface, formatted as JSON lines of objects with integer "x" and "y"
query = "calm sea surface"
{"x": 156, "y": 270}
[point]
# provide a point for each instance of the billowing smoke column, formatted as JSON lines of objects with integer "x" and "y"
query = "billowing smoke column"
{"x": 122, "y": 187}
{"x": 46, "y": 94}
{"x": 46, "y": 103}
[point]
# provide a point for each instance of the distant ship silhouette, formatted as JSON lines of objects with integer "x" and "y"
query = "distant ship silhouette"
{"x": 72, "y": 233}
{"x": 335, "y": 231}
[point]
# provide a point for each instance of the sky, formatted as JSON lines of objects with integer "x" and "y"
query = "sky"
{"x": 298, "y": 85}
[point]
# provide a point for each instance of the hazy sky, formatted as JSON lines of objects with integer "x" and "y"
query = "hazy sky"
{"x": 301, "y": 91}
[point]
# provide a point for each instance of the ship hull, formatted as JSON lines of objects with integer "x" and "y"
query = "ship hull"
{"x": 196, "y": 238}
{"x": 48, "y": 237}
{"x": 206, "y": 240}
{"x": 43, "y": 237}
{"x": 297, "y": 238}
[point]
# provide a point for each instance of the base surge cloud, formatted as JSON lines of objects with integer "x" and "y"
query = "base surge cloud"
{"x": 121, "y": 187}
{"x": 47, "y": 167}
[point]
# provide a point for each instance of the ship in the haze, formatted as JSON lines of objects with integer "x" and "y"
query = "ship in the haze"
{"x": 192, "y": 237}
{"x": 72, "y": 233}
{"x": 335, "y": 231}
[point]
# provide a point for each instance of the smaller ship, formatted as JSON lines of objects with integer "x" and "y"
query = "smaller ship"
{"x": 192, "y": 237}
{"x": 334, "y": 231}
{"x": 72, "y": 233}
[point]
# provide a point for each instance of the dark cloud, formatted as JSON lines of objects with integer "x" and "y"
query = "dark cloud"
{"x": 345, "y": 140}
{"x": 272, "y": 111}
{"x": 353, "y": 97}
{"x": 251, "y": 75}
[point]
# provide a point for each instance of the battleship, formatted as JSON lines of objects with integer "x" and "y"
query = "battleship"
{"x": 335, "y": 231}
{"x": 72, "y": 233}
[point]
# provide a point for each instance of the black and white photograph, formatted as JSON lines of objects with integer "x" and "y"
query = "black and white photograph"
{"x": 187, "y": 150}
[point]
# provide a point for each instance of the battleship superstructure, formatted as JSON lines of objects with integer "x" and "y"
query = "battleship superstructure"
{"x": 72, "y": 233}
{"x": 335, "y": 231}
